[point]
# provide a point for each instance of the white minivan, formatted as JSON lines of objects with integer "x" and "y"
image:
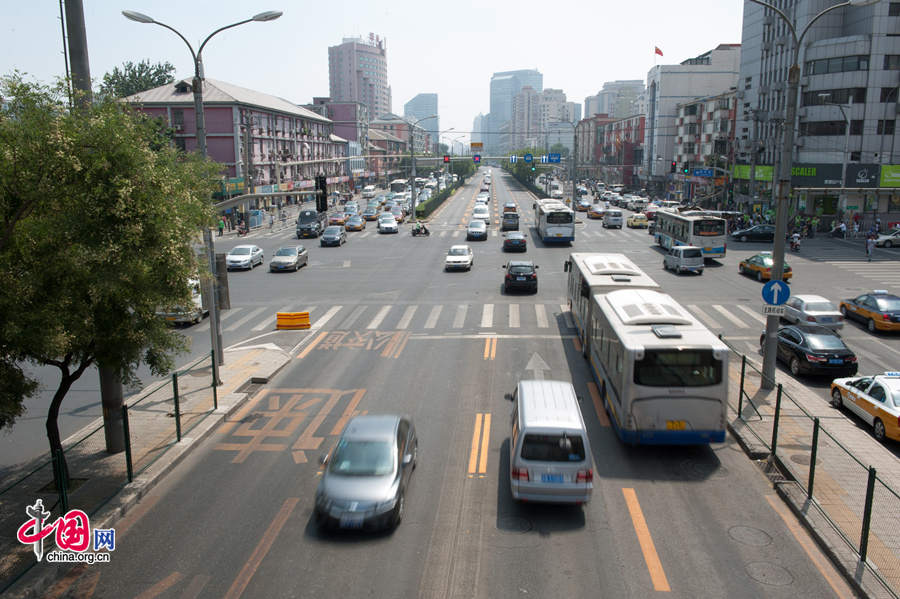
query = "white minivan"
{"x": 612, "y": 218}
{"x": 482, "y": 212}
{"x": 549, "y": 454}
{"x": 368, "y": 192}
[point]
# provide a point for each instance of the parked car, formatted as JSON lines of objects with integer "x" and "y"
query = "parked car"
{"x": 476, "y": 230}
{"x": 460, "y": 257}
{"x": 879, "y": 310}
{"x": 812, "y": 309}
{"x": 875, "y": 399}
{"x": 289, "y": 258}
{"x": 515, "y": 242}
{"x": 333, "y": 235}
{"x": 520, "y": 274}
{"x": 365, "y": 477}
{"x": 244, "y": 256}
{"x": 813, "y": 349}
{"x": 760, "y": 265}
{"x": 755, "y": 233}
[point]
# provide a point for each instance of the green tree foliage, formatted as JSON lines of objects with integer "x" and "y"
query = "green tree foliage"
{"x": 560, "y": 149}
{"x": 133, "y": 78}
{"x": 98, "y": 222}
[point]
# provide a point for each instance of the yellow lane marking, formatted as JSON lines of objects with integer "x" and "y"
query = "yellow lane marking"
{"x": 598, "y": 404}
{"x": 265, "y": 543}
{"x": 476, "y": 436}
{"x": 312, "y": 345}
{"x": 485, "y": 437}
{"x": 837, "y": 584}
{"x": 160, "y": 587}
{"x": 490, "y": 348}
{"x": 657, "y": 575}
{"x": 349, "y": 412}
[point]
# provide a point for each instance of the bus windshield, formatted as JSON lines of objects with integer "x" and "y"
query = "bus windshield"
{"x": 678, "y": 368}
{"x": 709, "y": 227}
{"x": 559, "y": 218}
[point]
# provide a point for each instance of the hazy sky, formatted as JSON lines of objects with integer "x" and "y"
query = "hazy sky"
{"x": 448, "y": 48}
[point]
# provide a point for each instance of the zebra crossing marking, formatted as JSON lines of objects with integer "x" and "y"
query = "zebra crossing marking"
{"x": 433, "y": 317}
{"x": 320, "y": 322}
{"x": 460, "y": 318}
{"x": 379, "y": 318}
{"x": 752, "y": 314}
{"x": 736, "y": 321}
{"x": 567, "y": 316}
{"x": 701, "y": 315}
{"x": 541, "y": 316}
{"x": 267, "y": 322}
{"x": 514, "y": 316}
{"x": 354, "y": 316}
{"x": 487, "y": 316}
{"x": 407, "y": 317}
{"x": 253, "y": 314}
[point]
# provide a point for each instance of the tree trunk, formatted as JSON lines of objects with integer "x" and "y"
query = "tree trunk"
{"x": 111, "y": 397}
{"x": 61, "y": 468}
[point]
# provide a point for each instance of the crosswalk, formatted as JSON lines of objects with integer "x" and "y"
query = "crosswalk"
{"x": 885, "y": 273}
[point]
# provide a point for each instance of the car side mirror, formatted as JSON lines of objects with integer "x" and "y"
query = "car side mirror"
{"x": 323, "y": 459}
{"x": 508, "y": 396}
{"x": 504, "y": 266}
{"x": 407, "y": 459}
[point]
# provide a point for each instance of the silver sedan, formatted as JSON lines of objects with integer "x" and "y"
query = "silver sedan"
{"x": 813, "y": 309}
{"x": 289, "y": 258}
{"x": 244, "y": 256}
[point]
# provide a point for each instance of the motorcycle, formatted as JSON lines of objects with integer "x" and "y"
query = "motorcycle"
{"x": 242, "y": 230}
{"x": 795, "y": 245}
{"x": 420, "y": 230}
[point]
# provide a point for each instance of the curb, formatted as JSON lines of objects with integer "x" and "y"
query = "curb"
{"x": 37, "y": 585}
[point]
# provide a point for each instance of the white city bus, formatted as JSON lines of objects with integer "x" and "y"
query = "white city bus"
{"x": 593, "y": 273}
{"x": 555, "y": 221}
{"x": 398, "y": 185}
{"x": 691, "y": 228}
{"x": 662, "y": 375}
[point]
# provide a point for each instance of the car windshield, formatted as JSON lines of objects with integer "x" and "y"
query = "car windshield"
{"x": 695, "y": 253}
{"x": 824, "y": 342}
{"x": 387, "y": 218}
{"x": 520, "y": 269}
{"x": 553, "y": 448}
{"x": 240, "y": 251}
{"x": 457, "y": 252}
{"x": 476, "y": 225}
{"x": 332, "y": 230}
{"x": 888, "y": 304}
{"x": 286, "y": 252}
{"x": 820, "y": 307}
{"x": 362, "y": 458}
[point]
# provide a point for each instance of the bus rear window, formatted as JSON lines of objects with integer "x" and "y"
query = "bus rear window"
{"x": 709, "y": 227}
{"x": 553, "y": 448}
{"x": 678, "y": 368}
{"x": 559, "y": 218}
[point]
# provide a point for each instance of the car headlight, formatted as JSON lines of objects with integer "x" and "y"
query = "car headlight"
{"x": 323, "y": 501}
{"x": 386, "y": 506}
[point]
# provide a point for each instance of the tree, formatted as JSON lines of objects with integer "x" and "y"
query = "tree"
{"x": 559, "y": 149}
{"x": 445, "y": 149}
{"x": 99, "y": 220}
{"x": 135, "y": 78}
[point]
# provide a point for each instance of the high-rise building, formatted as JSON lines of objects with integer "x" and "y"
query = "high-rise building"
{"x": 617, "y": 99}
{"x": 504, "y": 87}
{"x": 525, "y": 118}
{"x": 478, "y": 125}
{"x": 357, "y": 72}
{"x": 573, "y": 112}
{"x": 422, "y": 107}
{"x": 850, "y": 57}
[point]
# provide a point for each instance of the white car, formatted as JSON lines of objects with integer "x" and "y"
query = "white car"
{"x": 875, "y": 399}
{"x": 889, "y": 240}
{"x": 460, "y": 257}
{"x": 244, "y": 256}
{"x": 387, "y": 223}
{"x": 482, "y": 198}
{"x": 481, "y": 212}
{"x": 813, "y": 309}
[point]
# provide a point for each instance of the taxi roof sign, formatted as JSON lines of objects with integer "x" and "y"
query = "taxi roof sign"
{"x": 879, "y": 292}
{"x": 892, "y": 374}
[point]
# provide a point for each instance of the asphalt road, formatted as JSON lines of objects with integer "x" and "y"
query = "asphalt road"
{"x": 397, "y": 334}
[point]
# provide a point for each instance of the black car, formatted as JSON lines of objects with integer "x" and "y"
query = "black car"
{"x": 333, "y": 235}
{"x": 814, "y": 349}
{"x": 755, "y": 233}
{"x": 520, "y": 274}
{"x": 515, "y": 242}
{"x": 509, "y": 221}
{"x": 310, "y": 223}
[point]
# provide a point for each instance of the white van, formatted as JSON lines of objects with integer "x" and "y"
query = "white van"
{"x": 368, "y": 192}
{"x": 612, "y": 218}
{"x": 482, "y": 212}
{"x": 549, "y": 454}
{"x": 683, "y": 258}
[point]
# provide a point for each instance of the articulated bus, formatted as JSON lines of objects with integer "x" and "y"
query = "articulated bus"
{"x": 691, "y": 228}
{"x": 555, "y": 221}
{"x": 590, "y": 274}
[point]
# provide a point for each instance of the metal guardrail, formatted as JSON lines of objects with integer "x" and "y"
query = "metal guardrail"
{"x": 862, "y": 507}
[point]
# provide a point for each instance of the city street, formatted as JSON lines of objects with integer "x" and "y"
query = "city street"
{"x": 393, "y": 333}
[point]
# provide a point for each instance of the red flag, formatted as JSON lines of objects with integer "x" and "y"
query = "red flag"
{"x": 657, "y": 50}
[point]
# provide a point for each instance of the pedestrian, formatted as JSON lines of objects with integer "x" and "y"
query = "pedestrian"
{"x": 271, "y": 220}
{"x": 221, "y": 226}
{"x": 878, "y": 225}
{"x": 843, "y": 228}
{"x": 856, "y": 227}
{"x": 870, "y": 246}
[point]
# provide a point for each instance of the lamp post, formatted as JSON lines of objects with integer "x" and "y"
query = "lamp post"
{"x": 412, "y": 157}
{"x": 846, "y": 159}
{"x": 574, "y": 157}
{"x": 784, "y": 175}
{"x": 215, "y": 328}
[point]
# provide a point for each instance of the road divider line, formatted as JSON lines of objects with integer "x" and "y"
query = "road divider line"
{"x": 493, "y": 348}
{"x": 651, "y": 558}
{"x": 348, "y": 412}
{"x": 160, "y": 587}
{"x": 599, "y": 407}
{"x": 262, "y": 548}
{"x": 476, "y": 436}
{"x": 401, "y": 345}
{"x": 312, "y": 345}
{"x": 433, "y": 317}
{"x": 376, "y": 322}
{"x": 485, "y": 438}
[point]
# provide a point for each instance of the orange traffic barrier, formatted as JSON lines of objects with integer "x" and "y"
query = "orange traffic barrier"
{"x": 292, "y": 320}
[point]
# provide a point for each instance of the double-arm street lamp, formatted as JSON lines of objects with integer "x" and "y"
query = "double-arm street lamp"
{"x": 412, "y": 157}
{"x": 784, "y": 172}
{"x": 215, "y": 327}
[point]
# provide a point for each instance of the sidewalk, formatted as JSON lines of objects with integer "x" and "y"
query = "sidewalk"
{"x": 99, "y": 481}
{"x": 845, "y": 449}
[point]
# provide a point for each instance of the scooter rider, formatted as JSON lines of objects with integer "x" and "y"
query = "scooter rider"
{"x": 420, "y": 228}
{"x": 795, "y": 241}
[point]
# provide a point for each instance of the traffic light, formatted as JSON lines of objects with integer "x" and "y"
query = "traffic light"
{"x": 686, "y": 169}
{"x": 477, "y": 158}
{"x": 446, "y": 158}
{"x": 673, "y": 167}
{"x": 532, "y": 168}
{"x": 321, "y": 193}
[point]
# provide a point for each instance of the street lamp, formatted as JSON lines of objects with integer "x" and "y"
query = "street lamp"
{"x": 412, "y": 156}
{"x": 215, "y": 328}
{"x": 784, "y": 173}
{"x": 824, "y": 97}
{"x": 574, "y": 156}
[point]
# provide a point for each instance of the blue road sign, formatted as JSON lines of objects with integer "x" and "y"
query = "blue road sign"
{"x": 703, "y": 172}
{"x": 554, "y": 157}
{"x": 544, "y": 159}
{"x": 776, "y": 293}
{"x": 528, "y": 157}
{"x": 513, "y": 159}
{"x": 476, "y": 158}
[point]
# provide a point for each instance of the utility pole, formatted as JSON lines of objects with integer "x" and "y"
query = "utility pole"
{"x": 754, "y": 154}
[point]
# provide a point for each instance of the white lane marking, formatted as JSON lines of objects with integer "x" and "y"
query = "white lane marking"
{"x": 320, "y": 322}
{"x": 707, "y": 320}
{"x": 442, "y": 234}
{"x": 268, "y": 321}
{"x": 407, "y": 317}
{"x": 457, "y": 233}
{"x": 541, "y": 316}
{"x": 752, "y": 314}
{"x": 494, "y": 233}
{"x": 348, "y": 322}
{"x": 433, "y": 317}
{"x": 226, "y": 314}
{"x": 567, "y": 315}
{"x": 376, "y": 322}
{"x": 252, "y": 314}
{"x": 362, "y": 235}
{"x": 736, "y": 321}
{"x": 873, "y": 358}
{"x": 514, "y": 316}
{"x": 460, "y": 318}
{"x": 487, "y": 316}
{"x": 346, "y": 264}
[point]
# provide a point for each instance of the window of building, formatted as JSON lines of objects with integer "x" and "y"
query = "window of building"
{"x": 885, "y": 127}
{"x": 856, "y": 127}
{"x": 894, "y": 9}
{"x": 855, "y": 156}
{"x": 817, "y": 128}
{"x": 178, "y": 117}
{"x": 837, "y": 65}
{"x": 892, "y": 62}
{"x": 888, "y": 94}
{"x": 180, "y": 144}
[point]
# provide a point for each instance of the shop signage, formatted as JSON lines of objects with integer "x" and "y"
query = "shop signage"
{"x": 816, "y": 175}
{"x": 890, "y": 175}
{"x": 863, "y": 175}
{"x": 763, "y": 172}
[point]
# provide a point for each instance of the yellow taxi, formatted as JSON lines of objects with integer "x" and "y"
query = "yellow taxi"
{"x": 338, "y": 218}
{"x": 878, "y": 310}
{"x": 637, "y": 221}
{"x": 760, "y": 265}
{"x": 875, "y": 399}
{"x": 596, "y": 211}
